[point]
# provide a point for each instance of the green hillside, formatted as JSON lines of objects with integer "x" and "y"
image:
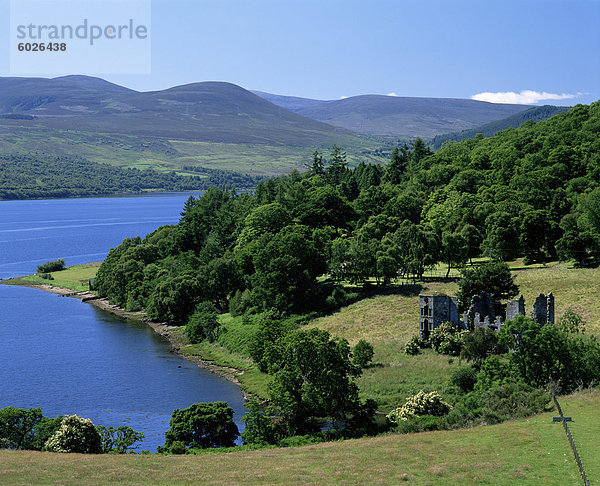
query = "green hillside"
{"x": 537, "y": 113}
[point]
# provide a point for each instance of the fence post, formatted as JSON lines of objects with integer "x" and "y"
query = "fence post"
{"x": 571, "y": 441}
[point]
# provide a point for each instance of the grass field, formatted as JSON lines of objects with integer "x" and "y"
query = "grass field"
{"x": 76, "y": 277}
{"x": 389, "y": 321}
{"x": 577, "y": 289}
{"x": 531, "y": 451}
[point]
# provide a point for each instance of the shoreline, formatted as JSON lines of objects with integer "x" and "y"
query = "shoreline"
{"x": 160, "y": 328}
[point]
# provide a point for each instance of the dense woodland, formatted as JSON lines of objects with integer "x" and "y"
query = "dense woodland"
{"x": 31, "y": 176}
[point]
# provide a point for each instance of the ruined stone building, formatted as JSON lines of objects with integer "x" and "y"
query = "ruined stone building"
{"x": 437, "y": 308}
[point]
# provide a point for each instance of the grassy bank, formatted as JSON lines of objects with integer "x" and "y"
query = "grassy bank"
{"x": 230, "y": 352}
{"x": 521, "y": 452}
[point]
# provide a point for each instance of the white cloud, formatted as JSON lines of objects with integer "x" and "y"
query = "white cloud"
{"x": 525, "y": 97}
{"x": 343, "y": 97}
{"x": 392, "y": 94}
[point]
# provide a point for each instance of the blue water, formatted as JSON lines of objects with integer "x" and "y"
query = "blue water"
{"x": 68, "y": 357}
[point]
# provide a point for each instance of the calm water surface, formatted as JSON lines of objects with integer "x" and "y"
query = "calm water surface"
{"x": 68, "y": 357}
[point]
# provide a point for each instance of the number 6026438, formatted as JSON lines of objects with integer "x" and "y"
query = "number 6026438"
{"x": 42, "y": 47}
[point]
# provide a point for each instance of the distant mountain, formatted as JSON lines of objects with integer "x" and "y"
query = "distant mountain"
{"x": 398, "y": 117}
{"x": 292, "y": 103}
{"x": 536, "y": 114}
{"x": 208, "y": 111}
{"x": 214, "y": 125}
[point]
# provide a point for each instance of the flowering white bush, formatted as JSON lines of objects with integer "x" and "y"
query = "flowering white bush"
{"x": 413, "y": 346}
{"x": 75, "y": 434}
{"x": 420, "y": 404}
{"x": 447, "y": 339}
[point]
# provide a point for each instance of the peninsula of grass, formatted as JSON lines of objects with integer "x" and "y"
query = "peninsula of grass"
{"x": 76, "y": 278}
{"x": 519, "y": 452}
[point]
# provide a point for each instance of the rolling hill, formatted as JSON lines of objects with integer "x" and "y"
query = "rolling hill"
{"x": 209, "y": 124}
{"x": 208, "y": 111}
{"x": 292, "y": 103}
{"x": 216, "y": 125}
{"x": 398, "y": 117}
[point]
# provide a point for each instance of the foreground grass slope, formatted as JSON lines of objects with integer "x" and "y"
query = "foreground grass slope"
{"x": 521, "y": 452}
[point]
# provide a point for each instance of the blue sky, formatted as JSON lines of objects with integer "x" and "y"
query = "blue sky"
{"x": 545, "y": 51}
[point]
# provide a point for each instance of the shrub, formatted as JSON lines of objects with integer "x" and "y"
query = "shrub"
{"x": 420, "y": 404}
{"x": 479, "y": 344}
{"x": 362, "y": 354}
{"x": 46, "y": 276}
{"x": 178, "y": 447}
{"x": 415, "y": 424}
{"x": 447, "y": 339}
{"x": 203, "y": 324}
{"x": 512, "y": 400}
{"x": 75, "y": 434}
{"x": 339, "y": 298}
{"x": 496, "y": 371}
{"x": 300, "y": 440}
{"x": 120, "y": 440}
{"x": 52, "y": 266}
{"x": 240, "y": 302}
{"x": 202, "y": 425}
{"x": 464, "y": 378}
{"x": 465, "y": 413}
{"x": 414, "y": 345}
{"x": 260, "y": 427}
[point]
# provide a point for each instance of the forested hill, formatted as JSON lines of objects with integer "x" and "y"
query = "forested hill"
{"x": 531, "y": 191}
{"x": 536, "y": 113}
{"x": 30, "y": 177}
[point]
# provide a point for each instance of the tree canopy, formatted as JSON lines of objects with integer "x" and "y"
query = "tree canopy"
{"x": 530, "y": 192}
